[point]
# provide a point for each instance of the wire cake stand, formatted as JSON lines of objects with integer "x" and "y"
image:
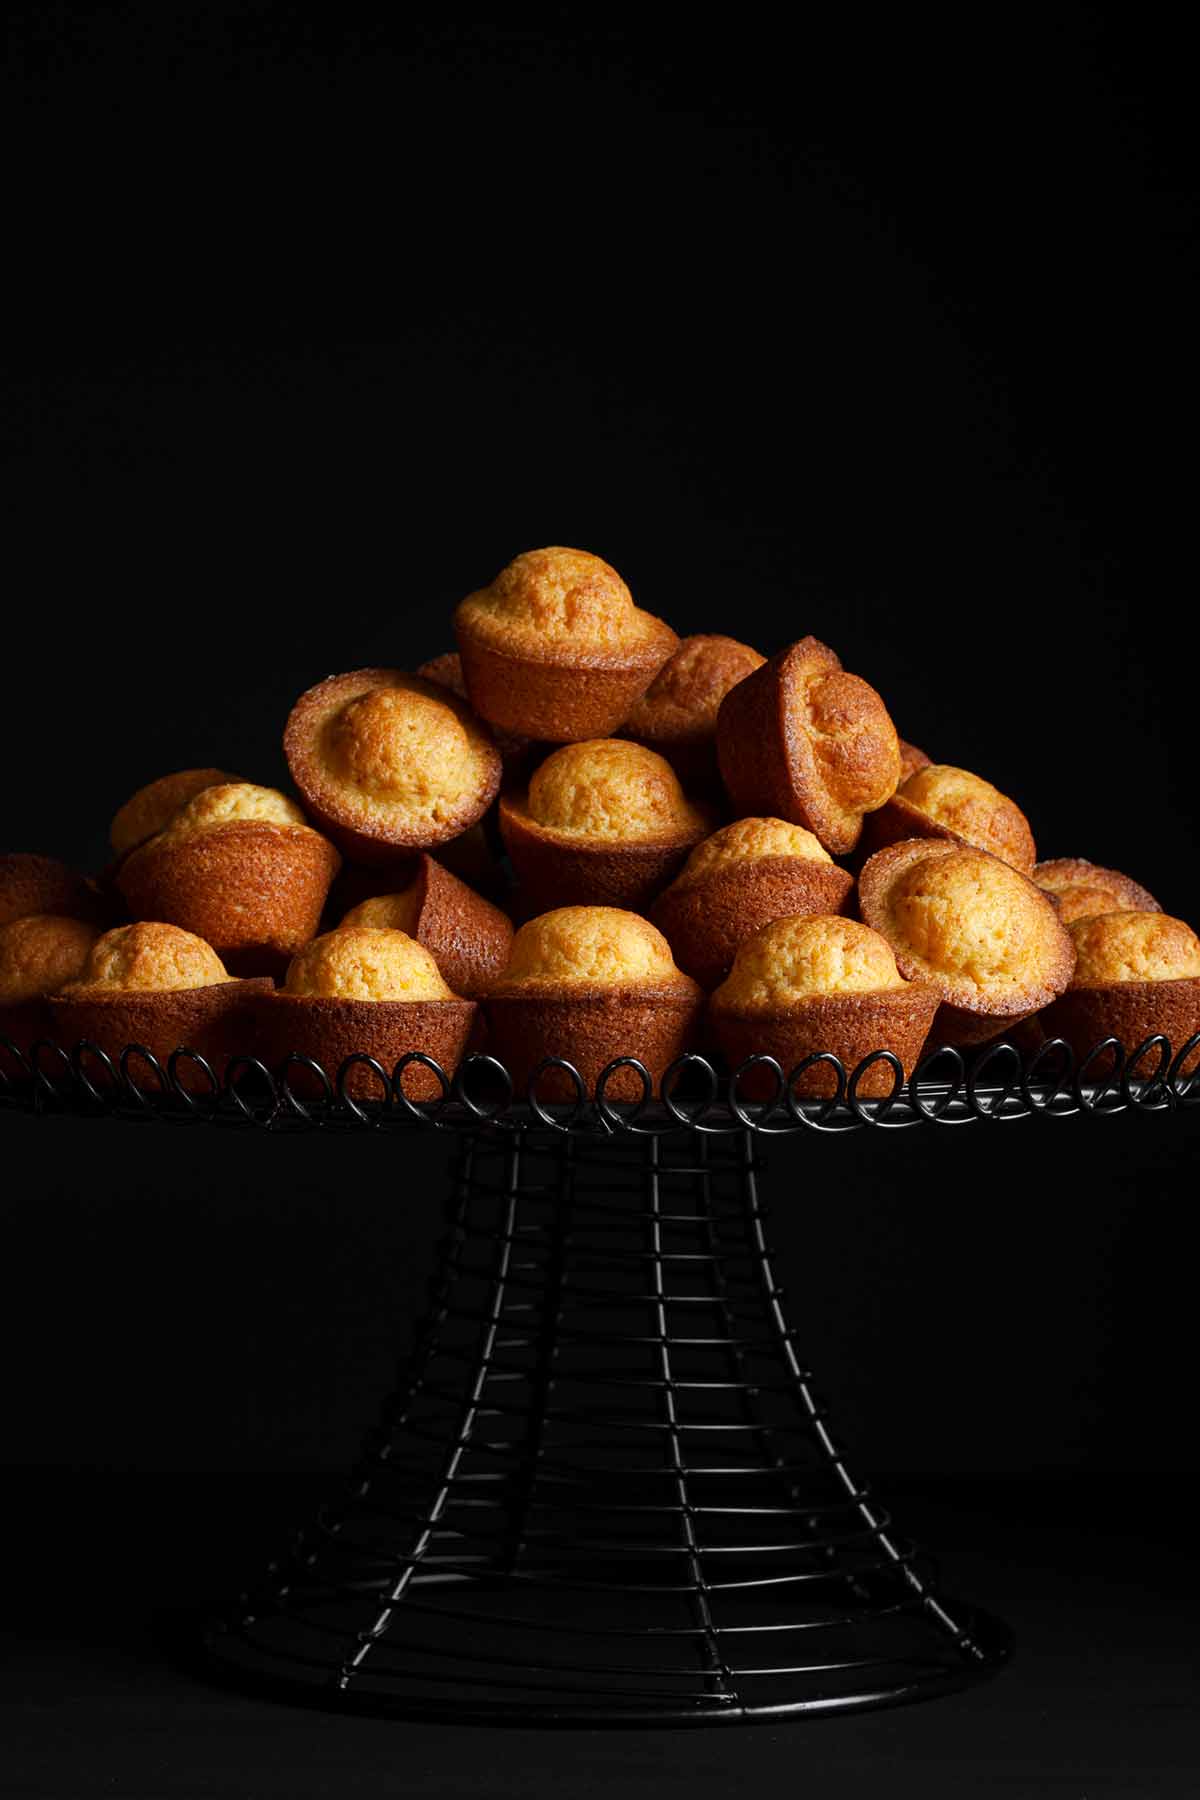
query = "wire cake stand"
{"x": 605, "y": 1490}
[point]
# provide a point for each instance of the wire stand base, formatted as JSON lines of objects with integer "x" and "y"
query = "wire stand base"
{"x": 605, "y": 1492}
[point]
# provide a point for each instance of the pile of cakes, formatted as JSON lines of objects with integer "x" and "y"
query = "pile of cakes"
{"x": 578, "y": 837}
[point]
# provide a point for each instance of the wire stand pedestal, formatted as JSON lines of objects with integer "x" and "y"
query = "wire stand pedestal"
{"x": 605, "y": 1492}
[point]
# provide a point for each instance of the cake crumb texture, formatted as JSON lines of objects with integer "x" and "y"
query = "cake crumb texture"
{"x": 590, "y": 946}
{"x": 795, "y": 959}
{"x": 360, "y": 962}
{"x": 610, "y": 788}
{"x": 1133, "y": 946}
{"x": 41, "y": 953}
{"x": 150, "y": 957}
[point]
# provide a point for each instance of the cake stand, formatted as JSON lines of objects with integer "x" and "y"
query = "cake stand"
{"x": 605, "y": 1490}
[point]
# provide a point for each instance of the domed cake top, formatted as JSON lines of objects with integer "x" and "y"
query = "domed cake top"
{"x": 556, "y": 597}
{"x": 612, "y": 789}
{"x": 40, "y": 953}
{"x": 749, "y": 840}
{"x": 360, "y": 962}
{"x": 967, "y": 914}
{"x": 233, "y": 803}
{"x": 1133, "y": 946}
{"x": 973, "y": 809}
{"x": 798, "y": 959}
{"x": 390, "y": 756}
{"x": 1082, "y": 889}
{"x": 686, "y": 694}
{"x": 388, "y": 912}
{"x": 149, "y": 957}
{"x": 589, "y": 946}
{"x": 146, "y": 813}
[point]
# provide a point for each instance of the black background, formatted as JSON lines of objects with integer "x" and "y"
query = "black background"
{"x": 879, "y": 331}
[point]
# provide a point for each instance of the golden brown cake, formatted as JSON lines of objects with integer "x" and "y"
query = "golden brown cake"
{"x": 42, "y": 884}
{"x": 466, "y": 935}
{"x": 1137, "y": 974}
{"x": 603, "y": 822}
{"x": 446, "y": 671}
{"x": 819, "y": 983}
{"x": 737, "y": 881}
{"x": 39, "y": 953}
{"x": 677, "y": 715}
{"x": 153, "y": 807}
{"x": 973, "y": 927}
{"x": 365, "y": 990}
{"x": 387, "y": 762}
{"x": 912, "y": 758}
{"x": 156, "y": 985}
{"x": 555, "y": 648}
{"x": 590, "y": 984}
{"x": 941, "y": 801}
{"x": 803, "y": 740}
{"x": 1082, "y": 889}
{"x": 239, "y": 866}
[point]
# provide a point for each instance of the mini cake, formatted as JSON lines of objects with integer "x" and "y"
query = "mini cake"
{"x": 603, "y": 822}
{"x": 912, "y": 758}
{"x": 971, "y": 926}
{"x": 240, "y": 867}
{"x": 1081, "y": 889}
{"x": 802, "y": 740}
{"x": 38, "y": 954}
{"x": 1137, "y": 974}
{"x": 468, "y": 937}
{"x": 387, "y": 762}
{"x": 369, "y": 990}
{"x": 737, "y": 881}
{"x": 446, "y": 671}
{"x": 155, "y": 985}
{"x": 677, "y": 715}
{"x": 152, "y": 808}
{"x": 555, "y": 648}
{"x": 42, "y": 884}
{"x": 816, "y": 983}
{"x": 941, "y": 801}
{"x": 590, "y": 984}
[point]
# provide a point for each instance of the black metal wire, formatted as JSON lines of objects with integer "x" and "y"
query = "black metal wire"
{"x": 605, "y": 1491}
{"x": 998, "y": 1085}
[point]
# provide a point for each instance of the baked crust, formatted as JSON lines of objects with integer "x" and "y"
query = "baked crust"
{"x": 555, "y": 869}
{"x": 554, "y": 647}
{"x": 375, "y": 803}
{"x": 849, "y": 1026}
{"x": 253, "y": 889}
{"x": 152, "y": 807}
{"x": 630, "y": 827}
{"x": 803, "y": 740}
{"x": 1082, "y": 889}
{"x": 707, "y": 921}
{"x": 466, "y": 935}
{"x": 974, "y": 813}
{"x": 912, "y": 758}
{"x": 973, "y": 910}
{"x": 677, "y": 715}
{"x": 1131, "y": 1011}
{"x": 40, "y": 953}
{"x": 516, "y": 752}
{"x": 591, "y": 1027}
{"x": 42, "y": 884}
{"x": 217, "y": 1021}
{"x": 331, "y": 1030}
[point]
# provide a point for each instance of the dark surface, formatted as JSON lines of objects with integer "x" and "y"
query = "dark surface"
{"x": 885, "y": 334}
{"x": 1099, "y": 1580}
